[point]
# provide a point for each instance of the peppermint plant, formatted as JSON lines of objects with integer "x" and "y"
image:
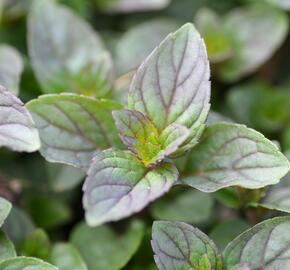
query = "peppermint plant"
{"x": 131, "y": 151}
{"x": 162, "y": 138}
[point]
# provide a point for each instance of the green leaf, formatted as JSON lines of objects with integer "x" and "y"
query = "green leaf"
{"x": 172, "y": 85}
{"x": 37, "y": 245}
{"x": 66, "y": 54}
{"x": 5, "y": 208}
{"x": 226, "y": 231}
{"x": 48, "y": 212}
{"x": 66, "y": 257}
{"x": 72, "y": 128}
{"x": 277, "y": 197}
{"x": 62, "y": 177}
{"x": 254, "y": 43}
{"x": 103, "y": 248}
{"x": 11, "y": 67}
{"x": 189, "y": 206}
{"x": 284, "y": 4}
{"x": 219, "y": 43}
{"x": 7, "y": 249}
{"x": 134, "y": 46}
{"x": 16, "y": 126}
{"x": 18, "y": 226}
{"x": 242, "y": 100}
{"x": 23, "y": 263}
{"x": 178, "y": 245}
{"x": 127, "y": 6}
{"x": 141, "y": 136}
{"x": 234, "y": 155}
{"x": 119, "y": 185}
{"x": 265, "y": 246}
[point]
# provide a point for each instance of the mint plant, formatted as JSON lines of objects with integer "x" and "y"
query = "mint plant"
{"x": 147, "y": 147}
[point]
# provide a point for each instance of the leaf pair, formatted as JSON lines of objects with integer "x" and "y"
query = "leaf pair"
{"x": 168, "y": 105}
{"x": 178, "y": 245}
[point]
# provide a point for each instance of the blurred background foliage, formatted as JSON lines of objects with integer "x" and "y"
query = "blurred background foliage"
{"x": 249, "y": 49}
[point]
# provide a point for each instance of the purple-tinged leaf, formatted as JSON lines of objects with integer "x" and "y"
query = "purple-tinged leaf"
{"x": 234, "y": 155}
{"x": 119, "y": 185}
{"x": 73, "y": 128}
{"x": 141, "y": 136}
{"x": 178, "y": 245}
{"x": 265, "y": 246}
{"x": 172, "y": 85}
{"x": 17, "y": 130}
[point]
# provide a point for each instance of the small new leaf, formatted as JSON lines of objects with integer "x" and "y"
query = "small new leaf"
{"x": 141, "y": 136}
{"x": 72, "y": 128}
{"x": 265, "y": 246}
{"x": 17, "y": 130}
{"x": 172, "y": 85}
{"x": 232, "y": 154}
{"x": 118, "y": 185}
{"x": 178, "y": 245}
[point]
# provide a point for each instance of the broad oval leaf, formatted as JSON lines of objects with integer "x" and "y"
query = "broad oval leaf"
{"x": 11, "y": 67}
{"x": 119, "y": 185}
{"x": 7, "y": 249}
{"x": 17, "y": 130}
{"x": 67, "y": 257}
{"x": 72, "y": 128}
{"x": 5, "y": 207}
{"x": 23, "y": 263}
{"x": 66, "y": 53}
{"x": 134, "y": 46}
{"x": 172, "y": 85}
{"x": 265, "y": 246}
{"x": 141, "y": 136}
{"x": 234, "y": 155}
{"x": 105, "y": 249}
{"x": 254, "y": 24}
{"x": 178, "y": 245}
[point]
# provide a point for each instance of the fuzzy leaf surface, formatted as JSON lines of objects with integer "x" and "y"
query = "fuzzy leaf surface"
{"x": 172, "y": 85}
{"x": 265, "y": 246}
{"x": 72, "y": 128}
{"x": 234, "y": 155}
{"x": 141, "y": 136}
{"x": 177, "y": 245}
{"x": 119, "y": 185}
